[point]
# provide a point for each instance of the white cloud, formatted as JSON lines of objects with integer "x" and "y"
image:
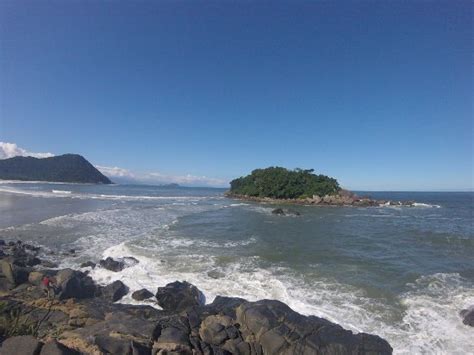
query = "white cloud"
{"x": 125, "y": 175}
{"x": 115, "y": 172}
{"x": 10, "y": 150}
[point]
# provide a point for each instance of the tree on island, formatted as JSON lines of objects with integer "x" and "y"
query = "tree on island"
{"x": 280, "y": 183}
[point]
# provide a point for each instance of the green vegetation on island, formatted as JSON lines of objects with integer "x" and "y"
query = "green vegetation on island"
{"x": 281, "y": 183}
{"x": 63, "y": 168}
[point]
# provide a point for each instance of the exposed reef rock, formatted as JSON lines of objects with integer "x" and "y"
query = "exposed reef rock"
{"x": 82, "y": 318}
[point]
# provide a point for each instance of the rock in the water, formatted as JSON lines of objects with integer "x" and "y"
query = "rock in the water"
{"x": 142, "y": 294}
{"x": 468, "y": 316}
{"x": 278, "y": 211}
{"x": 74, "y": 284}
{"x": 112, "y": 265}
{"x": 177, "y": 296}
{"x": 115, "y": 291}
{"x": 24, "y": 345}
{"x": 55, "y": 348}
{"x": 88, "y": 264}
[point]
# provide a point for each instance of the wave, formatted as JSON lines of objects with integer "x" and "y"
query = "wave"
{"x": 76, "y": 195}
{"x": 425, "y": 320}
{"x": 66, "y": 192}
{"x": 426, "y": 205}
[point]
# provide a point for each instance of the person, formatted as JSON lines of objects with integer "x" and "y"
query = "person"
{"x": 47, "y": 286}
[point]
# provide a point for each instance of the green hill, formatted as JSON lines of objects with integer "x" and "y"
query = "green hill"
{"x": 63, "y": 168}
{"x": 281, "y": 183}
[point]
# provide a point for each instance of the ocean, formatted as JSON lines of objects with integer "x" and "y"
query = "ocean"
{"x": 402, "y": 273}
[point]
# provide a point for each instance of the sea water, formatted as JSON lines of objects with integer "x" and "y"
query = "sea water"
{"x": 402, "y": 273}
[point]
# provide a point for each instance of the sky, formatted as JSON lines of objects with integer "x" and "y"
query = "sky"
{"x": 376, "y": 94}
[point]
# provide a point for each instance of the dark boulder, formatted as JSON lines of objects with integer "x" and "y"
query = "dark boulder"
{"x": 112, "y": 265}
{"x": 278, "y": 211}
{"x": 55, "y": 348}
{"x": 74, "y": 284}
{"x": 15, "y": 275}
{"x": 115, "y": 291}
{"x": 468, "y": 316}
{"x": 142, "y": 294}
{"x": 177, "y": 296}
{"x": 275, "y": 328}
{"x": 88, "y": 264}
{"x": 24, "y": 345}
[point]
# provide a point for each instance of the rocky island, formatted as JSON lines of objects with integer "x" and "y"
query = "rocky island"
{"x": 72, "y": 168}
{"x": 278, "y": 185}
{"x": 85, "y": 318}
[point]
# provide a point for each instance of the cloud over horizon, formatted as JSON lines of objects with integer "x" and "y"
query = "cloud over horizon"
{"x": 10, "y": 150}
{"x": 125, "y": 175}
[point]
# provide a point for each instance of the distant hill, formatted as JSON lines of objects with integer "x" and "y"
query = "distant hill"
{"x": 63, "y": 168}
{"x": 281, "y": 183}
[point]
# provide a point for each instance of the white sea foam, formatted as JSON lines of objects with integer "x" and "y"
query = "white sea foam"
{"x": 61, "y": 192}
{"x": 430, "y": 323}
{"x": 426, "y": 205}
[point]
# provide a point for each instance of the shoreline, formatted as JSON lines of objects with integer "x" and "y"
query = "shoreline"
{"x": 348, "y": 199}
{"x": 85, "y": 317}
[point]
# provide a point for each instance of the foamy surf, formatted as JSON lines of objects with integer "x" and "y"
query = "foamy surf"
{"x": 429, "y": 323}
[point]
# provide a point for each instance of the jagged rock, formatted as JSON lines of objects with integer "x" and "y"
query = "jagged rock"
{"x": 48, "y": 264}
{"x": 172, "y": 340}
{"x": 115, "y": 291}
{"x": 35, "y": 277}
{"x": 15, "y": 275}
{"x": 88, "y": 264}
{"x": 142, "y": 294}
{"x": 468, "y": 316}
{"x": 112, "y": 265}
{"x": 216, "y": 329}
{"x": 277, "y": 329}
{"x": 278, "y": 211}
{"x": 177, "y": 296}
{"x": 24, "y": 345}
{"x": 55, "y": 348}
{"x": 74, "y": 284}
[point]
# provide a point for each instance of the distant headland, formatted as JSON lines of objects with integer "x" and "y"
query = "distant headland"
{"x": 298, "y": 186}
{"x": 72, "y": 168}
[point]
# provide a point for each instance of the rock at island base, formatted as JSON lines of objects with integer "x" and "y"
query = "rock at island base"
{"x": 278, "y": 211}
{"x": 177, "y": 296}
{"x": 142, "y": 294}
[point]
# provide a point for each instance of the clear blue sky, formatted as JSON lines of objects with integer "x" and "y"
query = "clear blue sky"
{"x": 376, "y": 94}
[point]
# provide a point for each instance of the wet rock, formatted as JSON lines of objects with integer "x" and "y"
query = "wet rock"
{"x": 74, "y": 284}
{"x": 88, "y": 264}
{"x": 115, "y": 291}
{"x": 277, "y": 329}
{"x": 215, "y": 274}
{"x": 278, "y": 211}
{"x": 468, "y": 316}
{"x": 24, "y": 345}
{"x": 112, "y": 265}
{"x": 177, "y": 296}
{"x": 48, "y": 264}
{"x": 55, "y": 348}
{"x": 142, "y": 294}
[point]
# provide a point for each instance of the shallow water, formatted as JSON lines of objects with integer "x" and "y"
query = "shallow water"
{"x": 402, "y": 273}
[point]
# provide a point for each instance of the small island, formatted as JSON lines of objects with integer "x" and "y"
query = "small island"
{"x": 298, "y": 186}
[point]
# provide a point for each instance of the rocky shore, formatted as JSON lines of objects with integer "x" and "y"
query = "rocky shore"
{"x": 343, "y": 198}
{"x": 83, "y": 318}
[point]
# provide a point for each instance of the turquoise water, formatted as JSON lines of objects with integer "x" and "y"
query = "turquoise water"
{"x": 403, "y": 273}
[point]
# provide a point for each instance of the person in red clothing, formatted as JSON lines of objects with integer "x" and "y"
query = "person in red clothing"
{"x": 47, "y": 286}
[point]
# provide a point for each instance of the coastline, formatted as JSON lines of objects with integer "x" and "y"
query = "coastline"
{"x": 346, "y": 198}
{"x": 85, "y": 318}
